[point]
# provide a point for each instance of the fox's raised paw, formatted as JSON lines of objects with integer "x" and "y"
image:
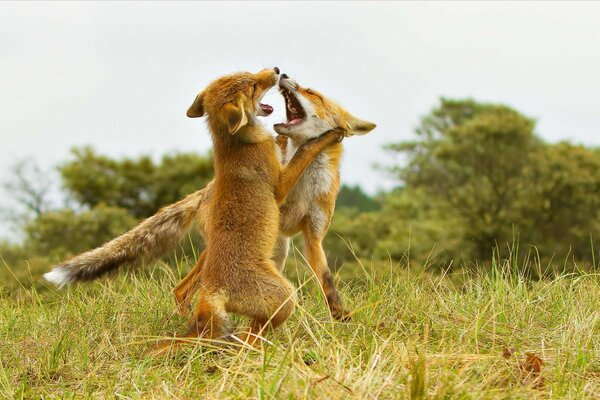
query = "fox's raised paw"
{"x": 337, "y": 134}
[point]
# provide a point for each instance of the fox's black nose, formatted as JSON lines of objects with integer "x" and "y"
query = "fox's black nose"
{"x": 284, "y": 76}
{"x": 276, "y": 70}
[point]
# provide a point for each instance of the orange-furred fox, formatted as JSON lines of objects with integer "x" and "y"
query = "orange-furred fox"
{"x": 308, "y": 208}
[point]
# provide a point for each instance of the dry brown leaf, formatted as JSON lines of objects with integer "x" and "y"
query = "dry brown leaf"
{"x": 530, "y": 369}
{"x": 507, "y": 353}
{"x": 532, "y": 363}
{"x": 533, "y": 366}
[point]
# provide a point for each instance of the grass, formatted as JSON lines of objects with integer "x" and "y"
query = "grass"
{"x": 414, "y": 334}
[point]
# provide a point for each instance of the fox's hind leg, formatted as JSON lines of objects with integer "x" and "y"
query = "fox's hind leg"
{"x": 318, "y": 262}
{"x": 210, "y": 321}
{"x": 187, "y": 287}
{"x": 268, "y": 300}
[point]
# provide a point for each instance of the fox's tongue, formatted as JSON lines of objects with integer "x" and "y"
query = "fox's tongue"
{"x": 267, "y": 109}
{"x": 295, "y": 121}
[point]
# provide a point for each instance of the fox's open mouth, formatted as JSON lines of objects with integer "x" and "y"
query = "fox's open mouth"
{"x": 265, "y": 109}
{"x": 294, "y": 111}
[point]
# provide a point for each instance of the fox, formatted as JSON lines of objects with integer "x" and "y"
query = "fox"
{"x": 250, "y": 183}
{"x": 309, "y": 207}
{"x": 307, "y": 210}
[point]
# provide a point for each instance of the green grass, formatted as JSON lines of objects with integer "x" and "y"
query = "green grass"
{"x": 414, "y": 334}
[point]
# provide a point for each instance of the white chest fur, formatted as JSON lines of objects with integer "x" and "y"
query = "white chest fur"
{"x": 302, "y": 201}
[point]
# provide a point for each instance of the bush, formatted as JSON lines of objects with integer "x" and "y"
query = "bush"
{"x": 62, "y": 233}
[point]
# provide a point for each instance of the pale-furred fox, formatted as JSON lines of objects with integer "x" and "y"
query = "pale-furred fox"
{"x": 308, "y": 209}
{"x": 242, "y": 225}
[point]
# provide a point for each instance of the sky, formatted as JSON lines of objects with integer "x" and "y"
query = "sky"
{"x": 120, "y": 76}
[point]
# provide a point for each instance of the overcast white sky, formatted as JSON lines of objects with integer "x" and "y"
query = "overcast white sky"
{"x": 120, "y": 76}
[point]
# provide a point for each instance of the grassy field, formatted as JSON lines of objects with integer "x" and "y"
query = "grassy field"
{"x": 414, "y": 334}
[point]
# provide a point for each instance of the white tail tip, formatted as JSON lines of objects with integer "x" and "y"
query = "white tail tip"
{"x": 58, "y": 276}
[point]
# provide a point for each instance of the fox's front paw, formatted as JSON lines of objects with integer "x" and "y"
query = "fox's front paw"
{"x": 336, "y": 134}
{"x": 337, "y": 309}
{"x": 341, "y": 314}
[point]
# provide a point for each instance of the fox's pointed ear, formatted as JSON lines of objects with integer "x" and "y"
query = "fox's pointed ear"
{"x": 357, "y": 126}
{"x": 197, "y": 108}
{"x": 235, "y": 115}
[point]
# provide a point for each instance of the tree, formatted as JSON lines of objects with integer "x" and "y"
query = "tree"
{"x": 30, "y": 190}
{"x": 65, "y": 232}
{"x": 139, "y": 186}
{"x": 407, "y": 227}
{"x": 561, "y": 214}
{"x": 473, "y": 158}
{"x": 355, "y": 197}
{"x": 484, "y": 165}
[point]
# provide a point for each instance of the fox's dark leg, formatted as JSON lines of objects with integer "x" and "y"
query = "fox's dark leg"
{"x": 318, "y": 262}
{"x": 188, "y": 286}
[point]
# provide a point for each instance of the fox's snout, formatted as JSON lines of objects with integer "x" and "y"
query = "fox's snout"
{"x": 268, "y": 76}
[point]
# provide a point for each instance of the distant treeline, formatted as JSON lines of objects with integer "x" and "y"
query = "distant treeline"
{"x": 476, "y": 180}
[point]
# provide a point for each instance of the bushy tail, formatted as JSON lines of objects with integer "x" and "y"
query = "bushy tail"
{"x": 149, "y": 240}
